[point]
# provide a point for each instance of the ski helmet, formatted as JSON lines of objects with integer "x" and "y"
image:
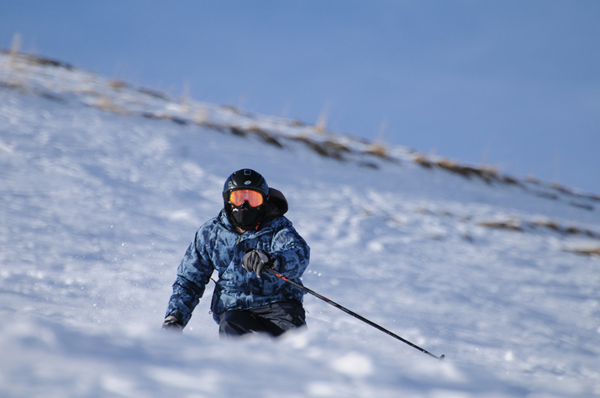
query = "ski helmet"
{"x": 245, "y": 179}
{"x": 245, "y": 216}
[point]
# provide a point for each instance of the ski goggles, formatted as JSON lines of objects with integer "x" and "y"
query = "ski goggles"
{"x": 237, "y": 198}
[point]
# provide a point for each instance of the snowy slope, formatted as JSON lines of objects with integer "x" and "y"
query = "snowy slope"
{"x": 103, "y": 186}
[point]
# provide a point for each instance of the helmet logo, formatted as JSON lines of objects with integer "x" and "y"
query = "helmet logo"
{"x": 248, "y": 182}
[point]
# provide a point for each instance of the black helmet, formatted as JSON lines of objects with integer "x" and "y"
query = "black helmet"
{"x": 245, "y": 179}
{"x": 245, "y": 216}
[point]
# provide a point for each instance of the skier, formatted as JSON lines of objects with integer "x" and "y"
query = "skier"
{"x": 248, "y": 236}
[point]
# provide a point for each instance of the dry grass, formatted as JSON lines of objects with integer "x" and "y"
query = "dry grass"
{"x": 512, "y": 225}
{"x": 423, "y": 161}
{"x": 378, "y": 149}
{"x": 213, "y": 126}
{"x": 328, "y": 148}
{"x": 368, "y": 165}
{"x": 200, "y": 116}
{"x": 486, "y": 173}
{"x": 321, "y": 125}
{"x": 117, "y": 84}
{"x": 12, "y": 84}
{"x": 510, "y": 180}
{"x": 153, "y": 93}
{"x": 14, "y": 50}
{"x": 106, "y": 104}
{"x": 592, "y": 251}
{"x": 515, "y": 224}
{"x": 20, "y": 61}
{"x": 565, "y": 230}
{"x": 232, "y": 109}
{"x": 240, "y": 132}
{"x": 165, "y": 116}
{"x": 562, "y": 189}
{"x": 265, "y": 136}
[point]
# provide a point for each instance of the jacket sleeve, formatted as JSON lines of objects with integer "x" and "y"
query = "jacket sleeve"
{"x": 291, "y": 251}
{"x": 193, "y": 274}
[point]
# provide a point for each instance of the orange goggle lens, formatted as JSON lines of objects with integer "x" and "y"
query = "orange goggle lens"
{"x": 254, "y": 199}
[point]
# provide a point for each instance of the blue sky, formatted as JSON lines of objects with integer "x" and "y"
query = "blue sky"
{"x": 512, "y": 84}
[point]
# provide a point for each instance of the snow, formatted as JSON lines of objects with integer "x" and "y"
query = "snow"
{"x": 98, "y": 204}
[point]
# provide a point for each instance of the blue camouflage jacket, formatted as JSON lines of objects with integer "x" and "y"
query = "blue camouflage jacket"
{"x": 218, "y": 246}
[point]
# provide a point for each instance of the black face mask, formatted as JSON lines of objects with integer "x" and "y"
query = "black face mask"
{"x": 246, "y": 217}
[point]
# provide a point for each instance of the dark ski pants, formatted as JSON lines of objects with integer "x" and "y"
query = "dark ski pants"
{"x": 274, "y": 319}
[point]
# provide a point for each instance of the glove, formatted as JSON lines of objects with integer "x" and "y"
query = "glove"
{"x": 257, "y": 260}
{"x": 172, "y": 323}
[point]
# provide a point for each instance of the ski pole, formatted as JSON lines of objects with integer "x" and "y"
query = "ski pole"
{"x": 354, "y": 314}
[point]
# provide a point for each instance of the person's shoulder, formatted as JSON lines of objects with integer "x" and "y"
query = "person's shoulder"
{"x": 284, "y": 230}
{"x": 210, "y": 222}
{"x": 214, "y": 223}
{"x": 282, "y": 223}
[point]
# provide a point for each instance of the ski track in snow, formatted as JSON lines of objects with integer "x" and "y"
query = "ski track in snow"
{"x": 97, "y": 209}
